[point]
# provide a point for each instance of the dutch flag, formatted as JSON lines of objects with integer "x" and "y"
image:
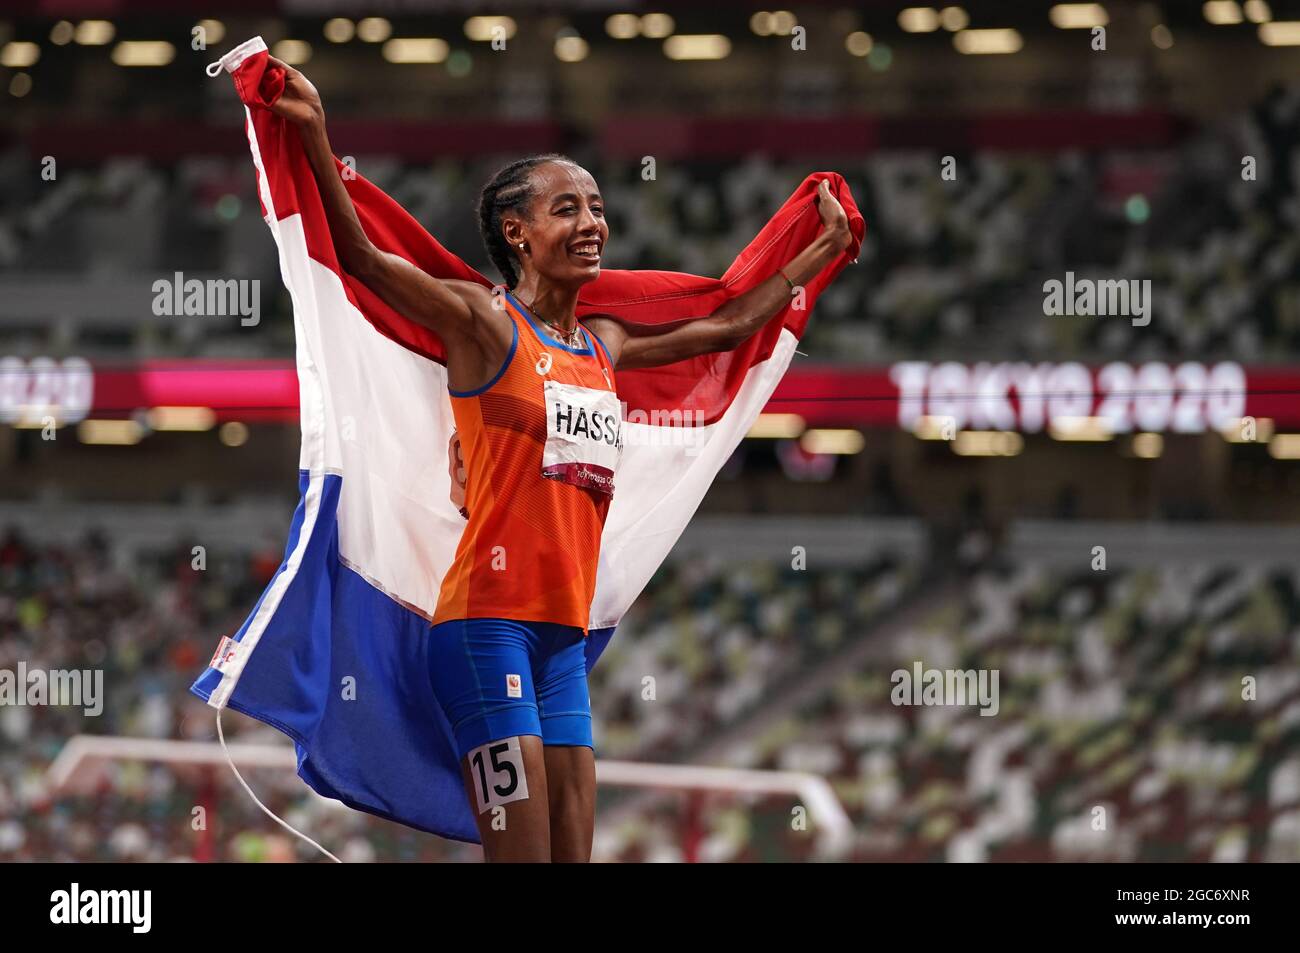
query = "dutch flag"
{"x": 375, "y": 530}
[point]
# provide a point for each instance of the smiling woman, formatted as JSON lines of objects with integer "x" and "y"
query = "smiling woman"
{"x": 566, "y": 234}
{"x": 540, "y": 430}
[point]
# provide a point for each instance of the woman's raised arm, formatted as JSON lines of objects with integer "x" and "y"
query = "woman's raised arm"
{"x": 440, "y": 305}
{"x": 738, "y": 319}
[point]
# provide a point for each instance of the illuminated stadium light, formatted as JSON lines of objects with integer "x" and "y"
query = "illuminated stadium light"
{"x": 481, "y": 28}
{"x": 776, "y": 427}
{"x": 193, "y": 419}
{"x": 213, "y": 30}
{"x": 1285, "y": 446}
{"x": 1237, "y": 431}
{"x": 571, "y": 49}
{"x": 833, "y": 441}
{"x": 697, "y": 46}
{"x": 783, "y": 21}
{"x": 20, "y": 85}
{"x": 623, "y": 26}
{"x": 34, "y": 418}
{"x": 292, "y": 52}
{"x": 1148, "y": 446}
{"x": 656, "y": 26}
{"x": 858, "y": 43}
{"x": 233, "y": 433}
{"x": 374, "y": 30}
{"x": 122, "y": 433}
{"x": 61, "y": 33}
{"x": 339, "y": 30}
{"x": 409, "y": 49}
{"x": 1257, "y": 11}
{"x": 1281, "y": 33}
{"x": 918, "y": 19}
{"x": 1161, "y": 36}
{"x": 954, "y": 19}
{"x": 761, "y": 23}
{"x": 1078, "y": 16}
{"x": 1221, "y": 12}
{"x": 986, "y": 42}
{"x": 143, "y": 53}
{"x": 94, "y": 33}
{"x": 1081, "y": 429}
{"x": 19, "y": 54}
{"x": 932, "y": 428}
{"x": 988, "y": 443}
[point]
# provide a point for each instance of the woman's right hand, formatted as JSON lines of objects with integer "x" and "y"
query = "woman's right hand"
{"x": 299, "y": 103}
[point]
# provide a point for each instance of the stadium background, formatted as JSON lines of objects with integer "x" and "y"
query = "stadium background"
{"x": 1172, "y": 445}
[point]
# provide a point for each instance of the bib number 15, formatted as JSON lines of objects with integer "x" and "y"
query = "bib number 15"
{"x": 498, "y": 770}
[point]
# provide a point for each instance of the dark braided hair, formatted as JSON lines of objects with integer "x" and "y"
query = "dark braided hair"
{"x": 510, "y": 190}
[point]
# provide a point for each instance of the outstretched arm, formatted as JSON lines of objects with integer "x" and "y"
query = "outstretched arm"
{"x": 440, "y": 305}
{"x": 738, "y": 319}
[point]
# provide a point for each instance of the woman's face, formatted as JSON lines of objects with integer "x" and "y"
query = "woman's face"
{"x": 567, "y": 234}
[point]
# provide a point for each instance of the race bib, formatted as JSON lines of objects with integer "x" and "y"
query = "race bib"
{"x": 584, "y": 436}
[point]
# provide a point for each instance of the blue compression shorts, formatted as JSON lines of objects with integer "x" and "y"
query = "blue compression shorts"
{"x": 497, "y": 678}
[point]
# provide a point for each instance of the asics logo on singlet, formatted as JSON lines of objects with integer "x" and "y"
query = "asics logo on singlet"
{"x": 575, "y": 421}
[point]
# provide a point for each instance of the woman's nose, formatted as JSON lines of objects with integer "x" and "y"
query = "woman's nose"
{"x": 587, "y": 221}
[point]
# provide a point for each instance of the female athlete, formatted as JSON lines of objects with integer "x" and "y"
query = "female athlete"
{"x": 532, "y": 392}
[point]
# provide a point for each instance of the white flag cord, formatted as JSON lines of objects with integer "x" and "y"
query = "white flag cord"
{"x": 222, "y": 738}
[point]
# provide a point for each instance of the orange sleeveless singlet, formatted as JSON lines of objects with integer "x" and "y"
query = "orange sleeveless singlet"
{"x": 531, "y": 547}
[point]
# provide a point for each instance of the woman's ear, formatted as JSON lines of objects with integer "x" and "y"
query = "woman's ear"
{"x": 513, "y": 230}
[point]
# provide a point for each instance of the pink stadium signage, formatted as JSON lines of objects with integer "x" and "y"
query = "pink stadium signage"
{"x": 1028, "y": 397}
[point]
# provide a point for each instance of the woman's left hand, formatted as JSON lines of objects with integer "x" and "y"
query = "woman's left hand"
{"x": 834, "y": 220}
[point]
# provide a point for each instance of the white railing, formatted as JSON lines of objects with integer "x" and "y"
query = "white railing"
{"x": 80, "y": 763}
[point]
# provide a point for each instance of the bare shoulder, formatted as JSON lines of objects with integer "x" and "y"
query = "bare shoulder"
{"x": 471, "y": 292}
{"x": 488, "y": 318}
{"x": 610, "y": 331}
{"x": 603, "y": 324}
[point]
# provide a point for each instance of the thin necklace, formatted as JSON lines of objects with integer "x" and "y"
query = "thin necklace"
{"x": 568, "y": 338}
